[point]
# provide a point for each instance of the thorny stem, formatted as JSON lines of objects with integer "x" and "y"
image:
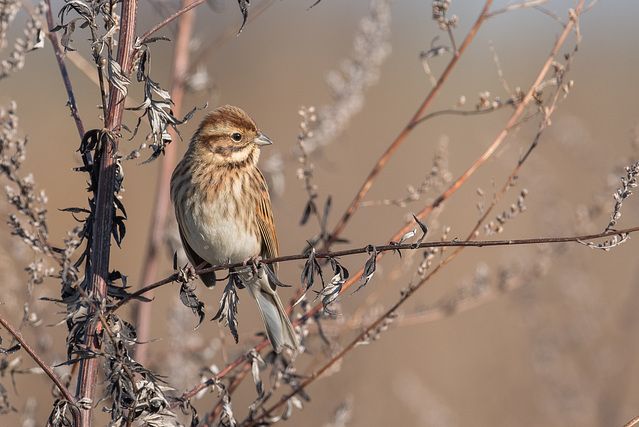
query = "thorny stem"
{"x": 381, "y": 162}
{"x": 185, "y": 8}
{"x": 101, "y": 233}
{"x": 59, "y": 56}
{"x": 162, "y": 200}
{"x": 444, "y": 196}
{"x": 38, "y": 360}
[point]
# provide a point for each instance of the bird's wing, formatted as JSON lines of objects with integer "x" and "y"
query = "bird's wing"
{"x": 196, "y": 260}
{"x": 266, "y": 225}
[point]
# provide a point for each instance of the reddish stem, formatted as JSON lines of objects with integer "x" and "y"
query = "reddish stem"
{"x": 162, "y": 202}
{"x": 59, "y": 56}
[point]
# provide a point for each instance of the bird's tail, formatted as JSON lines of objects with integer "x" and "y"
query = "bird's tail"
{"x": 278, "y": 326}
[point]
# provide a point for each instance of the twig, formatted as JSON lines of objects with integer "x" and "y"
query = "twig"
{"x": 162, "y": 203}
{"x": 144, "y": 37}
{"x": 59, "y": 56}
{"x": 393, "y": 247}
{"x": 632, "y": 422}
{"x": 47, "y": 370}
{"x": 517, "y": 6}
{"x": 101, "y": 233}
{"x": 476, "y": 112}
{"x": 381, "y": 162}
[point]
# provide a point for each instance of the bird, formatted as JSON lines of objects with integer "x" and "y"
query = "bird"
{"x": 224, "y": 214}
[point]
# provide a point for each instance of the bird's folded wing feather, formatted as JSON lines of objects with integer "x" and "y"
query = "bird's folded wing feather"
{"x": 266, "y": 225}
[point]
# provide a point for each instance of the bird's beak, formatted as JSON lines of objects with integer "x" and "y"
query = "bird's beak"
{"x": 262, "y": 140}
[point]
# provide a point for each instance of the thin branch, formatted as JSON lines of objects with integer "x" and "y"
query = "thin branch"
{"x": 38, "y": 360}
{"x": 392, "y": 247}
{"x": 517, "y": 6}
{"x": 381, "y": 162}
{"x": 162, "y": 200}
{"x": 59, "y": 56}
{"x": 144, "y": 37}
{"x": 476, "y": 112}
{"x": 632, "y": 422}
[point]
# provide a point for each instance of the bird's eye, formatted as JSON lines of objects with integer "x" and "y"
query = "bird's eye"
{"x": 237, "y": 137}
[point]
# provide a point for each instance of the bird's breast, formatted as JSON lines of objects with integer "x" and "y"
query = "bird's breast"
{"x": 218, "y": 230}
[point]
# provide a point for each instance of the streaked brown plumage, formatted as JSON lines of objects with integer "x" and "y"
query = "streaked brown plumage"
{"x": 223, "y": 208}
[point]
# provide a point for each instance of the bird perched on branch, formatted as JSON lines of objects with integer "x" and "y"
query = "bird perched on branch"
{"x": 223, "y": 210}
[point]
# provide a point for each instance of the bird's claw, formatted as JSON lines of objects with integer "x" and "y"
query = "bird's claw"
{"x": 187, "y": 273}
{"x": 253, "y": 262}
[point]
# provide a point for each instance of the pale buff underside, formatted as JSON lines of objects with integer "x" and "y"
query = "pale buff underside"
{"x": 214, "y": 227}
{"x": 214, "y": 234}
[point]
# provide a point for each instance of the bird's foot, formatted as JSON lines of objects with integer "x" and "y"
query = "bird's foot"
{"x": 253, "y": 262}
{"x": 187, "y": 273}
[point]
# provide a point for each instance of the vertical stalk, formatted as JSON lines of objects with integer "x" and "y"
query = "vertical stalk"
{"x": 96, "y": 280}
{"x": 161, "y": 206}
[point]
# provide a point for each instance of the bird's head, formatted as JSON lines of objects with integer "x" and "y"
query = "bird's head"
{"x": 228, "y": 135}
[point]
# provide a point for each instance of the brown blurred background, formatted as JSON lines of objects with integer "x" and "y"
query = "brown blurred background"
{"x": 558, "y": 350}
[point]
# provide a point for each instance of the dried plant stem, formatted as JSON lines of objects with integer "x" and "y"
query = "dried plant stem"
{"x": 632, "y": 422}
{"x": 59, "y": 56}
{"x": 389, "y": 248}
{"x": 185, "y": 8}
{"x": 38, "y": 360}
{"x": 517, "y": 6}
{"x": 453, "y": 112}
{"x": 162, "y": 199}
{"x": 101, "y": 233}
{"x": 381, "y": 162}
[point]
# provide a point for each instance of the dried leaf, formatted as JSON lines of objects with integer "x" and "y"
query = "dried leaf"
{"x": 369, "y": 267}
{"x": 244, "y": 6}
{"x": 227, "y": 313}
{"x": 308, "y": 210}
{"x": 424, "y": 229}
{"x": 310, "y": 270}
{"x": 190, "y": 299}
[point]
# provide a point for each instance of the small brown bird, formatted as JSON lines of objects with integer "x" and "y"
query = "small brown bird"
{"x": 223, "y": 209}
